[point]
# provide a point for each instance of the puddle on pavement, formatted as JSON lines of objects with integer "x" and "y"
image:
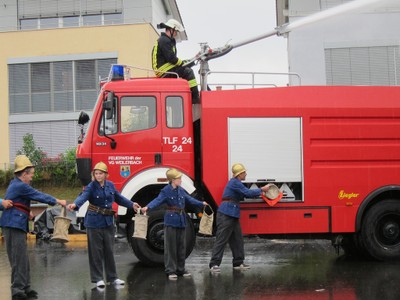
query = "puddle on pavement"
{"x": 286, "y": 270}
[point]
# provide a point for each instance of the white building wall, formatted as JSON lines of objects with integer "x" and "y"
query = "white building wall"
{"x": 377, "y": 26}
{"x": 138, "y": 11}
{"x": 8, "y": 13}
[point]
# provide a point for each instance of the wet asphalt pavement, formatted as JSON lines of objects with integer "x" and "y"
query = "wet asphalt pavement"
{"x": 280, "y": 269}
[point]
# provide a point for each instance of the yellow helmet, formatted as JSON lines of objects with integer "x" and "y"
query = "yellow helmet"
{"x": 101, "y": 166}
{"x": 21, "y": 162}
{"x": 238, "y": 169}
{"x": 173, "y": 174}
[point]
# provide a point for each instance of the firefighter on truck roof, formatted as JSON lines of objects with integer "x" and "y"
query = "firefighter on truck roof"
{"x": 164, "y": 57}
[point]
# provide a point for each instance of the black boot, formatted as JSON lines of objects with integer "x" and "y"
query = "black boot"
{"x": 195, "y": 95}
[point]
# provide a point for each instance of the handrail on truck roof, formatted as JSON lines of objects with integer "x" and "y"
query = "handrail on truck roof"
{"x": 253, "y": 83}
{"x": 123, "y": 72}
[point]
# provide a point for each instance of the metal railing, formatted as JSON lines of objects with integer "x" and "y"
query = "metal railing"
{"x": 127, "y": 72}
{"x": 253, "y": 82}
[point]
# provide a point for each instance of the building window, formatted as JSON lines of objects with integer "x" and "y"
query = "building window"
{"x": 38, "y": 14}
{"x": 63, "y": 86}
{"x": 85, "y": 80}
{"x": 28, "y": 24}
{"x": 111, "y": 19}
{"x": 19, "y": 87}
{"x": 70, "y": 21}
{"x": 40, "y": 87}
{"x": 48, "y": 23}
{"x": 56, "y": 86}
{"x": 379, "y": 65}
{"x": 91, "y": 20}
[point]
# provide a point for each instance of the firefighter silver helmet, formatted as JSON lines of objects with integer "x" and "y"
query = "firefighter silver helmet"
{"x": 173, "y": 24}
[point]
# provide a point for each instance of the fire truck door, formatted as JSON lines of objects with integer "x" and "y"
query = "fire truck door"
{"x": 137, "y": 134}
{"x": 177, "y": 133}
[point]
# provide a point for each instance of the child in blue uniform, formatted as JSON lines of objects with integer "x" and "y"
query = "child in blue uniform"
{"x": 14, "y": 223}
{"x": 228, "y": 223}
{"x": 99, "y": 223}
{"x": 174, "y": 223}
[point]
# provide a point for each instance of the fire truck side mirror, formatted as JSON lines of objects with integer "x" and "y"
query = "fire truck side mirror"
{"x": 108, "y": 105}
{"x": 83, "y": 118}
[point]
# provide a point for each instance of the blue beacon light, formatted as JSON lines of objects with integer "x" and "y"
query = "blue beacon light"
{"x": 117, "y": 72}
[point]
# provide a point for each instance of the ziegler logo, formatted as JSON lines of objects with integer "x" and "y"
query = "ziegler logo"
{"x": 343, "y": 195}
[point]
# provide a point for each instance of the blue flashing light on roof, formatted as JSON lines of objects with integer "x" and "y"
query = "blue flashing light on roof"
{"x": 117, "y": 72}
{"x": 123, "y": 72}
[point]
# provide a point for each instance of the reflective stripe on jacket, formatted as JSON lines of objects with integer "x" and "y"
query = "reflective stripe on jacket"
{"x": 164, "y": 55}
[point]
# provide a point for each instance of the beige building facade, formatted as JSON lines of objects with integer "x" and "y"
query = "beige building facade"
{"x": 49, "y": 73}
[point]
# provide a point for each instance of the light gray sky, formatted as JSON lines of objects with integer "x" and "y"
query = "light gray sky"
{"x": 219, "y": 22}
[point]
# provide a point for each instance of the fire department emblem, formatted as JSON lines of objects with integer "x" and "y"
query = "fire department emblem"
{"x": 125, "y": 171}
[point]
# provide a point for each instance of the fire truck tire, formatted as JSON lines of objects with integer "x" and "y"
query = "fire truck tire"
{"x": 151, "y": 251}
{"x": 380, "y": 231}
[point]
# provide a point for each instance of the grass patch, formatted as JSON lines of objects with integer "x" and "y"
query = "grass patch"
{"x": 69, "y": 193}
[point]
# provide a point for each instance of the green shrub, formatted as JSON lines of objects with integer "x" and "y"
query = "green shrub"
{"x": 58, "y": 171}
{"x": 35, "y": 154}
{"x": 5, "y": 177}
{"x": 50, "y": 172}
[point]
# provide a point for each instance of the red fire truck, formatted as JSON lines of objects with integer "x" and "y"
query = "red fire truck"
{"x": 334, "y": 152}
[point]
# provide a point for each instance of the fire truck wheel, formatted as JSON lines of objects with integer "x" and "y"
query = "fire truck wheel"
{"x": 380, "y": 230}
{"x": 151, "y": 250}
